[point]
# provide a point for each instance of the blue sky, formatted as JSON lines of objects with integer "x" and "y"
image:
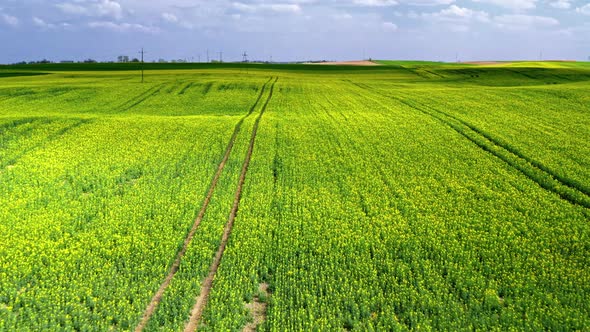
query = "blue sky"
{"x": 289, "y": 30}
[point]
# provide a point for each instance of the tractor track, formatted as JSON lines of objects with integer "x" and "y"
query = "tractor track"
{"x": 186, "y": 88}
{"x": 140, "y": 98}
{"x": 567, "y": 189}
{"x": 14, "y": 124}
{"x": 50, "y": 138}
{"x": 152, "y": 306}
{"x": 206, "y": 285}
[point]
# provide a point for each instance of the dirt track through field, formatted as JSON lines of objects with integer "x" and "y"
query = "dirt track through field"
{"x": 151, "y": 308}
{"x": 207, "y": 284}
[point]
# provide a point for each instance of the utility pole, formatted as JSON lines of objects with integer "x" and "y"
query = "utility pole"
{"x": 207, "y": 55}
{"x": 220, "y": 57}
{"x": 245, "y": 57}
{"x": 142, "y": 53}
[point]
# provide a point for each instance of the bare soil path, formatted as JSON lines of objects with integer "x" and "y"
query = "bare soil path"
{"x": 151, "y": 308}
{"x": 207, "y": 284}
{"x": 257, "y": 309}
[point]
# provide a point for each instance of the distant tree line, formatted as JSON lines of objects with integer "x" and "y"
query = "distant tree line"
{"x": 45, "y": 61}
{"x": 127, "y": 59}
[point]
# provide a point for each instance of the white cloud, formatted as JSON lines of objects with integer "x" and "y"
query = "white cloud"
{"x": 168, "y": 17}
{"x": 375, "y": 3}
{"x": 584, "y": 9}
{"x": 285, "y": 8}
{"x": 460, "y": 19}
{"x": 121, "y": 26}
{"x": 389, "y": 26}
{"x": 427, "y": 2}
{"x": 109, "y": 8}
{"x": 70, "y": 8}
{"x": 524, "y": 22}
{"x": 263, "y": 7}
{"x": 464, "y": 13}
{"x": 456, "y": 15}
{"x": 9, "y": 19}
{"x": 561, "y": 4}
{"x": 512, "y": 4}
{"x": 95, "y": 8}
{"x": 342, "y": 16}
{"x": 42, "y": 24}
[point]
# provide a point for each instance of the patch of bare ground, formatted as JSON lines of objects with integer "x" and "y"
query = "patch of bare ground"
{"x": 258, "y": 308}
{"x": 348, "y": 63}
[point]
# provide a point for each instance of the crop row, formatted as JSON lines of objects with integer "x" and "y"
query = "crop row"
{"x": 364, "y": 214}
{"x": 371, "y": 202}
{"x": 93, "y": 209}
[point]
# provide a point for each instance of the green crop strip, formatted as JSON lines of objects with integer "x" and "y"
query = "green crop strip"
{"x": 409, "y": 196}
{"x": 9, "y": 161}
{"x": 567, "y": 189}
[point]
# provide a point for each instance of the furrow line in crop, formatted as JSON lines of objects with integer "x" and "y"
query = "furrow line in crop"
{"x": 153, "y": 304}
{"x": 13, "y": 124}
{"x": 524, "y": 74}
{"x": 566, "y": 189}
{"x": 6, "y": 98}
{"x": 9, "y": 136}
{"x": 186, "y": 88}
{"x": 201, "y": 301}
{"x": 134, "y": 101}
{"x": 143, "y": 98}
{"x": 573, "y": 185}
{"x": 174, "y": 86}
{"x": 543, "y": 179}
{"x": 564, "y": 180}
{"x": 48, "y": 139}
{"x": 434, "y": 73}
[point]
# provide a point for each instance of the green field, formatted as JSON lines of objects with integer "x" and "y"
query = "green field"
{"x": 407, "y": 196}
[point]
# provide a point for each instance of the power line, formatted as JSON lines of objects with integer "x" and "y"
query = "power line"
{"x": 142, "y": 53}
